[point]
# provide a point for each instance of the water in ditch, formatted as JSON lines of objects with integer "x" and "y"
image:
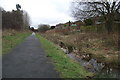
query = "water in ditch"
{"x": 100, "y": 69}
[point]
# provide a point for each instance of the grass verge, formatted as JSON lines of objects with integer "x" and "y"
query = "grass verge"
{"x": 11, "y": 38}
{"x": 67, "y": 67}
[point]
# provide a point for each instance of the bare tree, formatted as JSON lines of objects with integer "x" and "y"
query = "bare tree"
{"x": 26, "y": 20}
{"x": 105, "y": 8}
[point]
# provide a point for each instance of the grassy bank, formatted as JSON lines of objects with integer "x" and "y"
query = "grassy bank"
{"x": 10, "y": 38}
{"x": 67, "y": 67}
{"x": 100, "y": 46}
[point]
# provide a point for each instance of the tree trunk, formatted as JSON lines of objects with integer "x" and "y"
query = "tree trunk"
{"x": 118, "y": 38}
{"x": 109, "y": 22}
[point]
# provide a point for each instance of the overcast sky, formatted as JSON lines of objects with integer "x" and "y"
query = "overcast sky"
{"x": 42, "y": 11}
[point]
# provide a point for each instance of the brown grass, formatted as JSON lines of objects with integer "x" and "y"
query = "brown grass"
{"x": 102, "y": 46}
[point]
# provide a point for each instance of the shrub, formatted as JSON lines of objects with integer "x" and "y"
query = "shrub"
{"x": 88, "y": 22}
{"x": 89, "y": 28}
{"x": 43, "y": 28}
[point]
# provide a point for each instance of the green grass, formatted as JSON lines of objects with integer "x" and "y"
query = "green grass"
{"x": 67, "y": 67}
{"x": 10, "y": 41}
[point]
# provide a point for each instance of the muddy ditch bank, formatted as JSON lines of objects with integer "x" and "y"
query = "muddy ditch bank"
{"x": 101, "y": 69}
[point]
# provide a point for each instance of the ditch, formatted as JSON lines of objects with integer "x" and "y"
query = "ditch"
{"x": 101, "y": 70}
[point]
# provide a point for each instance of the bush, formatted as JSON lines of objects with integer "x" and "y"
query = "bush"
{"x": 88, "y": 22}
{"x": 89, "y": 28}
{"x": 43, "y": 28}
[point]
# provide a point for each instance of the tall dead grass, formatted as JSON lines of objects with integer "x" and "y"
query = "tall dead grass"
{"x": 89, "y": 43}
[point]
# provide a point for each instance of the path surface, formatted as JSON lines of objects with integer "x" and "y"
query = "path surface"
{"x": 28, "y": 60}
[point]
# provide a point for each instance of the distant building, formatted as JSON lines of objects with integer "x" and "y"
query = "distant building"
{"x": 70, "y": 25}
{"x": 73, "y": 25}
{"x": 76, "y": 24}
{"x": 60, "y": 26}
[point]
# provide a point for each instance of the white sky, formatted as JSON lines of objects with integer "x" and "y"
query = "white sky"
{"x": 42, "y": 11}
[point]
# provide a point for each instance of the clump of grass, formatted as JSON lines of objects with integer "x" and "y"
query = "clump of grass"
{"x": 11, "y": 38}
{"x": 67, "y": 67}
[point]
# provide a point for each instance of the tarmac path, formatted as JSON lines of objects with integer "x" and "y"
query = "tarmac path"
{"x": 28, "y": 60}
